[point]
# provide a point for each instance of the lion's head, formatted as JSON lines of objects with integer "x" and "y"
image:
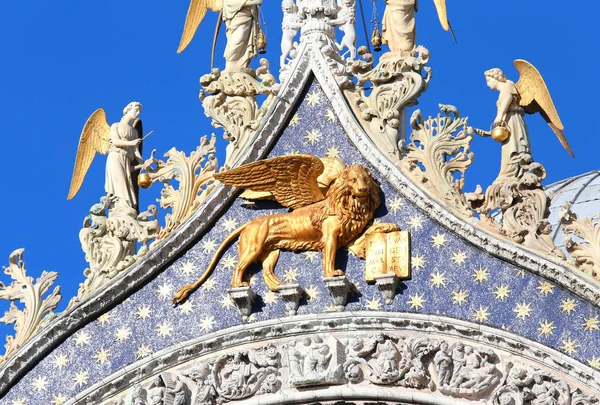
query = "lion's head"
{"x": 354, "y": 193}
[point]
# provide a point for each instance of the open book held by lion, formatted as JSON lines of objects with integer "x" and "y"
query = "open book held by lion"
{"x": 332, "y": 204}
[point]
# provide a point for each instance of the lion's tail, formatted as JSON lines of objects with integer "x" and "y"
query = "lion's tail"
{"x": 185, "y": 291}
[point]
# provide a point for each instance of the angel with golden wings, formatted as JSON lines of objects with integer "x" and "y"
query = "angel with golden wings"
{"x": 529, "y": 95}
{"x": 399, "y": 25}
{"x": 241, "y": 23}
{"x": 121, "y": 142}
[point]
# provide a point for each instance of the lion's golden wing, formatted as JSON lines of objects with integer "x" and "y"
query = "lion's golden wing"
{"x": 440, "y": 6}
{"x": 194, "y": 17}
{"x": 291, "y": 179}
{"x": 95, "y": 138}
{"x": 535, "y": 97}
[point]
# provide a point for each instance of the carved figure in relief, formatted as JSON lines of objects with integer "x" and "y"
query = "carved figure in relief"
{"x": 121, "y": 142}
{"x": 241, "y": 23}
{"x": 205, "y": 391}
{"x": 179, "y": 392}
{"x": 313, "y": 363}
{"x": 235, "y": 374}
{"x": 399, "y": 25}
{"x": 346, "y": 20}
{"x": 139, "y": 396}
{"x": 387, "y": 358}
{"x": 443, "y": 364}
{"x": 319, "y": 222}
{"x": 289, "y": 28}
{"x": 157, "y": 392}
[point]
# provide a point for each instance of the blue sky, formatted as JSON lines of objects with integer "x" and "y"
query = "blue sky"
{"x": 62, "y": 60}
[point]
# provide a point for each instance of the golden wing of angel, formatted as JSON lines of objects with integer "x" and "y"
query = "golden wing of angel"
{"x": 535, "y": 97}
{"x": 95, "y": 138}
{"x": 440, "y": 6}
{"x": 195, "y": 15}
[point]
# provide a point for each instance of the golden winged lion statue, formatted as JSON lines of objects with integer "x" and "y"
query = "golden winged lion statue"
{"x": 331, "y": 203}
{"x": 121, "y": 142}
{"x": 241, "y": 23}
{"x": 528, "y": 95}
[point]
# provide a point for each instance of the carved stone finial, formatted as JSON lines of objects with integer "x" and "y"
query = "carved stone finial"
{"x": 243, "y": 297}
{"x": 387, "y": 285}
{"x": 291, "y": 295}
{"x": 339, "y": 288}
{"x": 36, "y": 309}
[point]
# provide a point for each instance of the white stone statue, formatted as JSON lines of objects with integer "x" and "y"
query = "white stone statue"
{"x": 121, "y": 142}
{"x": 290, "y": 25}
{"x": 346, "y": 20}
{"x": 399, "y": 25}
{"x": 241, "y": 23}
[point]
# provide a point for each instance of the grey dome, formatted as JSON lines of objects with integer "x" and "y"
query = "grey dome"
{"x": 582, "y": 193}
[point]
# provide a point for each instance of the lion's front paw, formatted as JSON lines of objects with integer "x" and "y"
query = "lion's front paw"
{"x": 242, "y": 284}
{"x": 334, "y": 273}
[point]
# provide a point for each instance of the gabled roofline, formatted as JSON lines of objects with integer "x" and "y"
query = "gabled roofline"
{"x": 310, "y": 62}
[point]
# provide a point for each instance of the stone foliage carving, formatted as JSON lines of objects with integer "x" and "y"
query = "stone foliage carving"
{"x": 396, "y": 82}
{"x": 229, "y": 99}
{"x": 525, "y": 209}
{"x": 194, "y": 175}
{"x": 110, "y": 239}
{"x": 582, "y": 241}
{"x": 37, "y": 309}
{"x": 439, "y": 154}
{"x": 450, "y": 369}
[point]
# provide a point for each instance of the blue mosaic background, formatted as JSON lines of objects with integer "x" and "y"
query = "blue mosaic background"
{"x": 450, "y": 278}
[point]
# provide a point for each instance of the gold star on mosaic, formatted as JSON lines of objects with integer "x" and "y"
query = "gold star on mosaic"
{"x": 207, "y": 324}
{"x": 416, "y": 302}
{"x": 523, "y": 310}
{"x": 331, "y": 308}
{"x": 330, "y": 115}
{"x": 143, "y": 312}
{"x": 591, "y": 324}
{"x": 227, "y": 302}
{"x": 295, "y": 120}
{"x": 270, "y": 298}
{"x": 187, "y": 268}
{"x": 102, "y": 356}
{"x": 229, "y": 261}
{"x": 595, "y": 363}
{"x": 81, "y": 378}
{"x": 164, "y": 329}
{"x": 313, "y": 136}
{"x": 58, "y": 399}
{"x": 292, "y": 152}
{"x": 520, "y": 272}
{"x": 82, "y": 338}
{"x": 438, "y": 279}
{"x": 395, "y": 204}
{"x": 39, "y": 384}
{"x": 459, "y": 257}
{"x": 142, "y": 351}
{"x": 546, "y": 328}
{"x": 545, "y": 288}
{"x": 333, "y": 152}
{"x": 209, "y": 245}
{"x": 481, "y": 314}
{"x": 313, "y": 98}
{"x": 104, "y": 318}
{"x": 439, "y": 240}
{"x": 187, "y": 307}
{"x": 416, "y": 222}
{"x": 290, "y": 275}
{"x": 229, "y": 225}
{"x": 570, "y": 346}
{"x": 459, "y": 297}
{"x": 312, "y": 292}
{"x": 19, "y": 402}
{"x": 164, "y": 291}
{"x": 480, "y": 275}
{"x": 568, "y": 306}
{"x": 311, "y": 256}
{"x": 374, "y": 304}
{"x": 123, "y": 334}
{"x": 417, "y": 262}
{"x": 502, "y": 292}
{"x": 208, "y": 285}
{"x": 60, "y": 361}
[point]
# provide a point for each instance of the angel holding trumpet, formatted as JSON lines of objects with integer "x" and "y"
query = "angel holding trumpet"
{"x": 529, "y": 95}
{"x": 121, "y": 141}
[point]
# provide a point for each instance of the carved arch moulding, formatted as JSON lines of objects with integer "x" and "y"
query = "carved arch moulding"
{"x": 354, "y": 358}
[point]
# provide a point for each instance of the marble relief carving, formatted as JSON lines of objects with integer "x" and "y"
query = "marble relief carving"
{"x": 443, "y": 368}
{"x": 582, "y": 241}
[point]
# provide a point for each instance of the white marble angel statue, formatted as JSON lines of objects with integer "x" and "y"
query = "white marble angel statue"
{"x": 528, "y": 95}
{"x": 241, "y": 23}
{"x": 121, "y": 142}
{"x": 399, "y": 25}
